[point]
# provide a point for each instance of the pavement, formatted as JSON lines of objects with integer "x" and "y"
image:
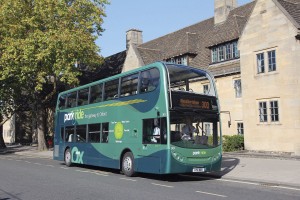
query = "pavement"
{"x": 264, "y": 168}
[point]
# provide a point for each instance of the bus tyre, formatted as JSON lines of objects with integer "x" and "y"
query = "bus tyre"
{"x": 68, "y": 158}
{"x": 128, "y": 164}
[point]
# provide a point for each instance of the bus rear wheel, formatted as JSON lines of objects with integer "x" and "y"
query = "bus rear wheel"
{"x": 128, "y": 164}
{"x": 68, "y": 158}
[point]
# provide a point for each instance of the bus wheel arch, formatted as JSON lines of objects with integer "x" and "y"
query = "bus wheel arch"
{"x": 127, "y": 163}
{"x": 68, "y": 157}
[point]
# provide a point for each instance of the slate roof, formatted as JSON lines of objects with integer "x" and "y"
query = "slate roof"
{"x": 112, "y": 65}
{"x": 196, "y": 39}
{"x": 292, "y": 7}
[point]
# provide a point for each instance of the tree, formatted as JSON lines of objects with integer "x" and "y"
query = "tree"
{"x": 41, "y": 43}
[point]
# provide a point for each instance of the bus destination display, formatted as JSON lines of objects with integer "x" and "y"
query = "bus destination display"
{"x": 189, "y": 101}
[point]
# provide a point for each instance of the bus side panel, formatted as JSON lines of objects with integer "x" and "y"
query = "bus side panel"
{"x": 154, "y": 163}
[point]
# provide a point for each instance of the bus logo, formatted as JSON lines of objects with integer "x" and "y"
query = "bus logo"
{"x": 119, "y": 130}
{"x": 74, "y": 115}
{"x": 77, "y": 156}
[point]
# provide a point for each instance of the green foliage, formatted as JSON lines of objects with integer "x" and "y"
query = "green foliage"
{"x": 233, "y": 143}
{"x": 47, "y": 37}
{"x": 40, "y": 42}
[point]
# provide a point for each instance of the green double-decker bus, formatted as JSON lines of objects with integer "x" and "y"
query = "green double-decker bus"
{"x": 162, "y": 118}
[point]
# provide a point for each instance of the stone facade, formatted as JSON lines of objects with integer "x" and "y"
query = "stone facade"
{"x": 270, "y": 28}
{"x": 259, "y": 27}
{"x": 8, "y": 130}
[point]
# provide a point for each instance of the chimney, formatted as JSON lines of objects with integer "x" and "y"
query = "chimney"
{"x": 133, "y": 36}
{"x": 222, "y": 9}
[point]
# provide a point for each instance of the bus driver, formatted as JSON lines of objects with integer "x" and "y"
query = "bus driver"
{"x": 188, "y": 130}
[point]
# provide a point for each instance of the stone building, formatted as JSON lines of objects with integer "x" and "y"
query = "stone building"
{"x": 253, "y": 51}
{"x": 270, "y": 56}
{"x": 211, "y": 44}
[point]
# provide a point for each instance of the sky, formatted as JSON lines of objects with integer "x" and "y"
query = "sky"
{"x": 155, "y": 18}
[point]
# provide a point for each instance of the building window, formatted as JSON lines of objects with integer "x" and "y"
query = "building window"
{"x": 214, "y": 55}
{"x": 240, "y": 128}
{"x": 272, "y": 60}
{"x": 228, "y": 51}
{"x": 178, "y": 60}
{"x": 205, "y": 89}
{"x": 274, "y": 111}
{"x": 238, "y": 88}
{"x": 221, "y": 53}
{"x": 236, "y": 53}
{"x": 260, "y": 63}
{"x": 263, "y": 116}
{"x": 224, "y": 52}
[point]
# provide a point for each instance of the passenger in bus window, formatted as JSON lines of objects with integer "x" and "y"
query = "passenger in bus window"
{"x": 156, "y": 131}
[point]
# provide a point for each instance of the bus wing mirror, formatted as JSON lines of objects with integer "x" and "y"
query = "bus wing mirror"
{"x": 229, "y": 124}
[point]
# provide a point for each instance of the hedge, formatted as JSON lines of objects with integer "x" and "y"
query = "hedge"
{"x": 233, "y": 143}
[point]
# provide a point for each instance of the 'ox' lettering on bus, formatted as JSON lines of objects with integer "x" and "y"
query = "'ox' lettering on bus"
{"x": 77, "y": 156}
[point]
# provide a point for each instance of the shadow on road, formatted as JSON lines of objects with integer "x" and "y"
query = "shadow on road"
{"x": 228, "y": 164}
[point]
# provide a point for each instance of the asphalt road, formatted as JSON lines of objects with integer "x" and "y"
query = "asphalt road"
{"x": 34, "y": 178}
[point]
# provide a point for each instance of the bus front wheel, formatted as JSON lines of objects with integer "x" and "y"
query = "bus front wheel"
{"x": 68, "y": 158}
{"x": 128, "y": 164}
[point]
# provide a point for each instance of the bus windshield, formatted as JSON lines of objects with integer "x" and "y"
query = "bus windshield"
{"x": 194, "y": 115}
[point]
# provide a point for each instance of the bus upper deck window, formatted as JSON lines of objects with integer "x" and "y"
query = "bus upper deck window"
{"x": 129, "y": 85}
{"x": 83, "y": 97}
{"x": 96, "y": 93}
{"x": 149, "y": 80}
{"x": 71, "y": 100}
{"x": 111, "y": 89}
{"x": 62, "y": 102}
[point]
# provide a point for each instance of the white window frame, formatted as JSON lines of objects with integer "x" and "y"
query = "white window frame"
{"x": 237, "y": 88}
{"x": 271, "y": 60}
{"x": 240, "y": 128}
{"x": 266, "y": 61}
{"x": 225, "y": 52}
{"x": 263, "y": 111}
{"x": 260, "y": 61}
{"x": 205, "y": 89}
{"x": 270, "y": 112}
{"x": 274, "y": 110}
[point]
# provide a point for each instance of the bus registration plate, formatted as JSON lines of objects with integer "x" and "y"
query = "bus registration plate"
{"x": 199, "y": 169}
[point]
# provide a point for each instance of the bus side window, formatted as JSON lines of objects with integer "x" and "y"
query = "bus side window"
{"x": 62, "y": 133}
{"x": 149, "y": 80}
{"x": 94, "y": 133}
{"x": 155, "y": 130}
{"x": 69, "y": 134}
{"x": 105, "y": 132}
{"x": 81, "y": 133}
{"x": 83, "y": 97}
{"x": 96, "y": 93}
{"x": 111, "y": 89}
{"x": 129, "y": 85}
